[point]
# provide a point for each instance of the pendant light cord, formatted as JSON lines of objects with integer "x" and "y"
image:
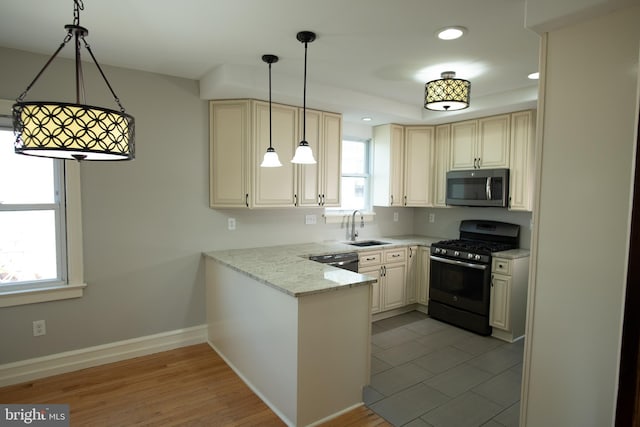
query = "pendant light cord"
{"x": 304, "y": 97}
{"x": 270, "y": 129}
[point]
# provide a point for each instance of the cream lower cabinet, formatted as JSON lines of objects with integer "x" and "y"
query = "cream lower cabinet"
{"x": 508, "y": 297}
{"x": 239, "y": 137}
{"x": 391, "y": 269}
{"x": 413, "y": 274}
{"x": 424, "y": 261}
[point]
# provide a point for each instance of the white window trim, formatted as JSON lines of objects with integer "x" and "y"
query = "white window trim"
{"x": 74, "y": 288}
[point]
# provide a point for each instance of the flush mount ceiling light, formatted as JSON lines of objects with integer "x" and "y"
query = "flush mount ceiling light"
{"x": 271, "y": 159}
{"x": 73, "y": 131}
{"x": 451, "y": 33}
{"x": 447, "y": 93}
{"x": 303, "y": 153}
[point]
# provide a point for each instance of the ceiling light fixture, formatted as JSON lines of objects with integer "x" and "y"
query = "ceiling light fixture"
{"x": 303, "y": 153}
{"x": 271, "y": 159}
{"x": 73, "y": 131}
{"x": 366, "y": 119}
{"x": 451, "y": 33}
{"x": 447, "y": 93}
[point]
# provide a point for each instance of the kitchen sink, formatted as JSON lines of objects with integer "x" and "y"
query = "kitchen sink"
{"x": 366, "y": 243}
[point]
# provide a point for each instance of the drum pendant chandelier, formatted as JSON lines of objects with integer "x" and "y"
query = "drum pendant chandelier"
{"x": 447, "y": 93}
{"x": 73, "y": 131}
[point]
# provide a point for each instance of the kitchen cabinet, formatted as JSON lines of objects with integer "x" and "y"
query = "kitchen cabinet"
{"x": 418, "y": 166}
{"x": 389, "y": 267}
{"x": 508, "y": 297}
{"x": 239, "y": 137}
{"x": 388, "y": 170}
{"x": 403, "y": 165}
{"x": 422, "y": 296}
{"x": 481, "y": 144}
{"x": 521, "y": 173}
{"x": 441, "y": 165}
{"x": 413, "y": 275}
{"x": 319, "y": 184}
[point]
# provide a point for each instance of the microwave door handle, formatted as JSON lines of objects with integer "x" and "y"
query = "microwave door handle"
{"x": 488, "y": 188}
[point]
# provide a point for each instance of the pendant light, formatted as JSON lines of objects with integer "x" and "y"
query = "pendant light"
{"x": 303, "y": 153}
{"x": 447, "y": 93}
{"x": 271, "y": 159}
{"x": 73, "y": 131}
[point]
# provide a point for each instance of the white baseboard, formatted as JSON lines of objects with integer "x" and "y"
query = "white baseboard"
{"x": 40, "y": 367}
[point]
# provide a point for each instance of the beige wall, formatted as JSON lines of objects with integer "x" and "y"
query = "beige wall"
{"x": 590, "y": 118}
{"x": 146, "y": 222}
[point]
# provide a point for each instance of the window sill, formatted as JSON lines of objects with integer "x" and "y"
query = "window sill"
{"x": 33, "y": 296}
{"x": 344, "y": 217}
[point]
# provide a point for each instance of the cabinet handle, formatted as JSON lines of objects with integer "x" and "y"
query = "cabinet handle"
{"x": 479, "y": 163}
{"x": 405, "y": 200}
{"x": 410, "y": 252}
{"x": 395, "y": 255}
{"x": 392, "y": 199}
{"x": 369, "y": 259}
{"x": 295, "y": 200}
{"x": 323, "y": 200}
{"x": 246, "y": 199}
{"x": 319, "y": 199}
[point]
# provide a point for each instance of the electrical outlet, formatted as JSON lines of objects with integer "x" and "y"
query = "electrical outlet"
{"x": 395, "y": 217}
{"x": 231, "y": 223}
{"x": 310, "y": 219}
{"x": 39, "y": 328}
{"x": 432, "y": 217}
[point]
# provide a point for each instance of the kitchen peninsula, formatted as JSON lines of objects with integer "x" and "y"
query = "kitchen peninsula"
{"x": 296, "y": 331}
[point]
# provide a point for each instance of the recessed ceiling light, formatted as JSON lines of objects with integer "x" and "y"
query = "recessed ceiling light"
{"x": 534, "y": 76}
{"x": 366, "y": 119}
{"x": 451, "y": 33}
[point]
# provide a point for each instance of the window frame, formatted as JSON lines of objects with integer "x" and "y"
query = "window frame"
{"x": 368, "y": 209}
{"x": 71, "y": 283}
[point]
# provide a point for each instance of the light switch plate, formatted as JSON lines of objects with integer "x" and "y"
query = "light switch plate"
{"x": 432, "y": 217}
{"x": 310, "y": 219}
{"x": 231, "y": 223}
{"x": 395, "y": 217}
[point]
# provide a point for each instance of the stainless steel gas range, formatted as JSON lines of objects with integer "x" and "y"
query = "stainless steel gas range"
{"x": 460, "y": 278}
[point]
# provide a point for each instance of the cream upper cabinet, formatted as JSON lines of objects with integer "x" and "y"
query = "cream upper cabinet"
{"x": 441, "y": 164}
{"x": 482, "y": 143}
{"x": 521, "y": 173}
{"x": 388, "y": 170}
{"x": 319, "y": 184}
{"x": 239, "y": 137}
{"x": 418, "y": 166}
{"x": 229, "y": 153}
{"x": 274, "y": 187}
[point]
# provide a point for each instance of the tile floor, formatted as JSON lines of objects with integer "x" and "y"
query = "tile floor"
{"x": 425, "y": 373}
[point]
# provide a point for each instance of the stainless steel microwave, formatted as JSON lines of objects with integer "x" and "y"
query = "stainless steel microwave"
{"x": 478, "y": 187}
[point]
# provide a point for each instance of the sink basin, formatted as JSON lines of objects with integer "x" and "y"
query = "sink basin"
{"x": 366, "y": 243}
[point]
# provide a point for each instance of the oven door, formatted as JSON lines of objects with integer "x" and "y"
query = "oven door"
{"x": 460, "y": 284}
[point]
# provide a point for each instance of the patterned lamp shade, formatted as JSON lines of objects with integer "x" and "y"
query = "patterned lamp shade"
{"x": 447, "y": 93}
{"x": 73, "y": 131}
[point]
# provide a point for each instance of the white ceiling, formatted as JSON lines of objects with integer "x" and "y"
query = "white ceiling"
{"x": 370, "y": 58}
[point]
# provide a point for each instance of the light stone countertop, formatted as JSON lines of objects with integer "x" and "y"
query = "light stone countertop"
{"x": 288, "y": 269}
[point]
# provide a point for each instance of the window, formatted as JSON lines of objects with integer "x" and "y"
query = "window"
{"x": 355, "y": 175}
{"x": 40, "y": 225}
{"x": 32, "y": 223}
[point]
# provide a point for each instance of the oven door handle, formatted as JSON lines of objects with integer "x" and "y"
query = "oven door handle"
{"x": 455, "y": 262}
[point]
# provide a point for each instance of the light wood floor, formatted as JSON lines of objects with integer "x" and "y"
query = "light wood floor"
{"x": 187, "y": 386}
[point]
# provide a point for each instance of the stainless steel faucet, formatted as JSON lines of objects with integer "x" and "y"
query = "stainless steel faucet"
{"x": 354, "y": 233}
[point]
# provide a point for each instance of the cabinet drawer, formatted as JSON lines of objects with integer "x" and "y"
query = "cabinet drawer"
{"x": 501, "y": 266}
{"x": 395, "y": 255}
{"x": 369, "y": 258}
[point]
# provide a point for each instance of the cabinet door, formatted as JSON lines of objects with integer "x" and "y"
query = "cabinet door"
{"x": 275, "y": 187}
{"x": 463, "y": 144}
{"x": 331, "y": 172}
{"x": 397, "y": 170}
{"x": 500, "y": 301}
{"x": 309, "y": 176}
{"x": 522, "y": 160}
{"x": 493, "y": 142}
{"x": 423, "y": 283}
{"x": 388, "y": 158}
{"x": 413, "y": 270}
{"x": 229, "y": 152}
{"x": 418, "y": 165}
{"x": 393, "y": 286}
{"x": 374, "y": 271}
{"x": 441, "y": 165}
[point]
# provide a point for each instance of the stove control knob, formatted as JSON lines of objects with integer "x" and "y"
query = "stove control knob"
{"x": 456, "y": 253}
{"x": 470, "y": 256}
{"x": 437, "y": 250}
{"x": 477, "y": 257}
{"x": 444, "y": 251}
